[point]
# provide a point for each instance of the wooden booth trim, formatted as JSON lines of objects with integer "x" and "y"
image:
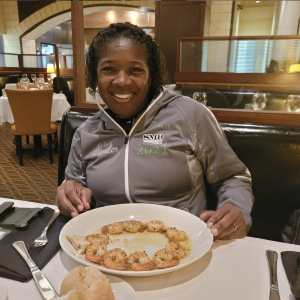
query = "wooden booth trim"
{"x": 256, "y": 117}
{"x": 227, "y": 115}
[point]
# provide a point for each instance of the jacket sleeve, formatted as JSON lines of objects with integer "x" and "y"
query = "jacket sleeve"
{"x": 76, "y": 168}
{"x": 229, "y": 178}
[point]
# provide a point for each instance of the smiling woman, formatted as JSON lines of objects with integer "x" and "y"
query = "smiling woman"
{"x": 149, "y": 144}
{"x": 123, "y": 78}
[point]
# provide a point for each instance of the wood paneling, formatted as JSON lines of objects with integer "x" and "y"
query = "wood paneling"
{"x": 266, "y": 81}
{"x": 174, "y": 19}
{"x": 78, "y": 50}
{"x": 27, "y": 8}
{"x": 257, "y": 117}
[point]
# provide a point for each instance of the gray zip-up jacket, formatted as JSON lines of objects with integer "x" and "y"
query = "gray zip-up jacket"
{"x": 173, "y": 148}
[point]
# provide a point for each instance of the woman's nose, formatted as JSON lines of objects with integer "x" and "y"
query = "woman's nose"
{"x": 122, "y": 79}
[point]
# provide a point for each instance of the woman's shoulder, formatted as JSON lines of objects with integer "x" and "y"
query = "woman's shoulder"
{"x": 91, "y": 122}
{"x": 191, "y": 107}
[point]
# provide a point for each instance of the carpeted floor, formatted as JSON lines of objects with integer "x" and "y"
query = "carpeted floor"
{"x": 36, "y": 180}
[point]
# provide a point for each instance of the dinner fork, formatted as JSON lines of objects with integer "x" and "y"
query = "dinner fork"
{"x": 42, "y": 240}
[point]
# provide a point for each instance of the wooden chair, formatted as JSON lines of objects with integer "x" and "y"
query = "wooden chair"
{"x": 32, "y": 115}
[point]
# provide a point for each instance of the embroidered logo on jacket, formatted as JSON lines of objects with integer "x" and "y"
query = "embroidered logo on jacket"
{"x": 153, "y": 138}
{"x": 105, "y": 148}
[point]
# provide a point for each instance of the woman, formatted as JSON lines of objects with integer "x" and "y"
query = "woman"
{"x": 149, "y": 145}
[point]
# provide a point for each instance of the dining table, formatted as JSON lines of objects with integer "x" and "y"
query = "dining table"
{"x": 59, "y": 106}
{"x": 230, "y": 270}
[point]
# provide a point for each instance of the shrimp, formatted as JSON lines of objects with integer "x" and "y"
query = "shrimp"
{"x": 114, "y": 228}
{"x": 95, "y": 253}
{"x": 98, "y": 238}
{"x": 176, "y": 249}
{"x": 139, "y": 261}
{"x": 155, "y": 226}
{"x": 175, "y": 234}
{"x": 164, "y": 260}
{"x": 132, "y": 226}
{"x": 116, "y": 259}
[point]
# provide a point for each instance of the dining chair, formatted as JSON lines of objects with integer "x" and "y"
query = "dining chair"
{"x": 32, "y": 116}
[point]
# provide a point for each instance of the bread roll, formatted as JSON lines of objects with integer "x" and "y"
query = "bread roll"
{"x": 86, "y": 283}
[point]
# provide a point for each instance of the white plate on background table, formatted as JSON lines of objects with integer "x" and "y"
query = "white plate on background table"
{"x": 3, "y": 291}
{"x": 197, "y": 232}
{"x": 122, "y": 290}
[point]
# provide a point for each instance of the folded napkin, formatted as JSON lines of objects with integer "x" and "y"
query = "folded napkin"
{"x": 291, "y": 264}
{"x": 12, "y": 265}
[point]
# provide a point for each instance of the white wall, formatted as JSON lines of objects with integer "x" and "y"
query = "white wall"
{"x": 220, "y": 18}
{"x": 289, "y": 14}
{"x": 255, "y": 21}
{"x": 11, "y": 19}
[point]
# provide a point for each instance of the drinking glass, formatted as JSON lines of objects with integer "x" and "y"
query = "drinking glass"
{"x": 33, "y": 77}
{"x": 200, "y": 97}
{"x": 24, "y": 78}
{"x": 49, "y": 78}
{"x": 249, "y": 106}
{"x": 292, "y": 103}
{"x": 259, "y": 101}
{"x": 40, "y": 83}
{"x": 24, "y": 82}
{"x": 41, "y": 76}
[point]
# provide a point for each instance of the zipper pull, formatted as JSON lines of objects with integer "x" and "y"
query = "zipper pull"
{"x": 126, "y": 139}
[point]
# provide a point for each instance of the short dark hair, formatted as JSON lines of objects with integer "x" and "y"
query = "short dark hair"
{"x": 155, "y": 59}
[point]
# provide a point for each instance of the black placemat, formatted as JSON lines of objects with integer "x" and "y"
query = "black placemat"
{"x": 12, "y": 265}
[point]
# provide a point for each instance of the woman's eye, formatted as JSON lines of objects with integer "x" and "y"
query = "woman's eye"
{"x": 108, "y": 69}
{"x": 137, "y": 70}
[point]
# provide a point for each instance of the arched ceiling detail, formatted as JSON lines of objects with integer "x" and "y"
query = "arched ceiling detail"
{"x": 62, "y": 13}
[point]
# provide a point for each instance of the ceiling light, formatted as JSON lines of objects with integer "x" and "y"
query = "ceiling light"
{"x": 257, "y": 1}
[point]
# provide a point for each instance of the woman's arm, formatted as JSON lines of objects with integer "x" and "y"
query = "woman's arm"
{"x": 72, "y": 195}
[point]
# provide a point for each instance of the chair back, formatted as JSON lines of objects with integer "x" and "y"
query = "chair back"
{"x": 31, "y": 110}
{"x": 70, "y": 122}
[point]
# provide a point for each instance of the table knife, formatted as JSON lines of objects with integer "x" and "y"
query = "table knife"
{"x": 272, "y": 258}
{"x": 44, "y": 286}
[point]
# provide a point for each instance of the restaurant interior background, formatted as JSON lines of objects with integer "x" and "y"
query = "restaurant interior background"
{"x": 229, "y": 49}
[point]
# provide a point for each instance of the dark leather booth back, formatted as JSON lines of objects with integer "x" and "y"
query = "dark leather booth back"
{"x": 70, "y": 122}
{"x": 271, "y": 153}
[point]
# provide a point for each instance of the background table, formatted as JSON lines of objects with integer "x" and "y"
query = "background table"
{"x": 59, "y": 106}
{"x": 231, "y": 270}
{"x": 11, "y": 86}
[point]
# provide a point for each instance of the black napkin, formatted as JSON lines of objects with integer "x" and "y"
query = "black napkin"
{"x": 291, "y": 264}
{"x": 12, "y": 265}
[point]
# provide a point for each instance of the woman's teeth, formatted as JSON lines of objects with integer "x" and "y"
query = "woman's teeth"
{"x": 123, "y": 96}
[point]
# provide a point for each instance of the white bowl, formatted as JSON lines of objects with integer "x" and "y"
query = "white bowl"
{"x": 199, "y": 235}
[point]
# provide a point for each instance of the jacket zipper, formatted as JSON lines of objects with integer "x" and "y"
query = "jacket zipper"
{"x": 126, "y": 142}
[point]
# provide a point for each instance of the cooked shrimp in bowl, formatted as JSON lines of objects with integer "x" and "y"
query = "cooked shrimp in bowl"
{"x": 175, "y": 234}
{"x": 139, "y": 261}
{"x": 114, "y": 228}
{"x": 116, "y": 259}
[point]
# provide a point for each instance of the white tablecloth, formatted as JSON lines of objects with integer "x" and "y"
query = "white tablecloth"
{"x": 59, "y": 106}
{"x": 11, "y": 86}
{"x": 89, "y": 98}
{"x": 231, "y": 270}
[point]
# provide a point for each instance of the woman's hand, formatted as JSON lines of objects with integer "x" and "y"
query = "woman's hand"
{"x": 226, "y": 223}
{"x": 72, "y": 198}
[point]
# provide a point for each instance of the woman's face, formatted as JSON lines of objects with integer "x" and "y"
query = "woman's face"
{"x": 123, "y": 78}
